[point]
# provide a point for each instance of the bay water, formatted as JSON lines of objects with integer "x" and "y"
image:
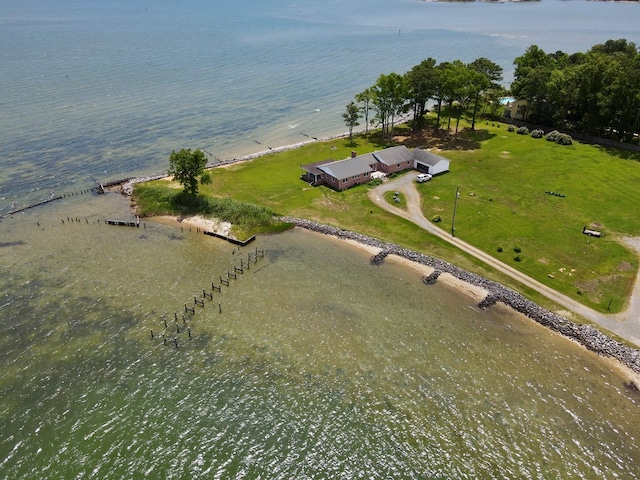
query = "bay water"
{"x": 312, "y": 363}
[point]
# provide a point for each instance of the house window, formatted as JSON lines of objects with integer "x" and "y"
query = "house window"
{"x": 355, "y": 176}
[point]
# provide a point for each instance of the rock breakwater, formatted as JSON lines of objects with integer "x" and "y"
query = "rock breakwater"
{"x": 586, "y": 335}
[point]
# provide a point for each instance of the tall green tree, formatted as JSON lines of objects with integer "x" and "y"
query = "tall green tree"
{"x": 490, "y": 74}
{"x": 365, "y": 100}
{"x": 351, "y": 117}
{"x": 421, "y": 84}
{"x": 533, "y": 70}
{"x": 186, "y": 167}
{"x": 389, "y": 100}
{"x": 454, "y": 87}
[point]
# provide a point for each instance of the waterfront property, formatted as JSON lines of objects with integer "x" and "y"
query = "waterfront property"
{"x": 343, "y": 174}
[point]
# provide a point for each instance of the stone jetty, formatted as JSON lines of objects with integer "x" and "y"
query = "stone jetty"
{"x": 586, "y": 335}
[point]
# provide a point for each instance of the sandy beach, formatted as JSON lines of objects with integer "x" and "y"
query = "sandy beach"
{"x": 198, "y": 222}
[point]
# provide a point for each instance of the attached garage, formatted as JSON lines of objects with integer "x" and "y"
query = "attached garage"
{"x": 427, "y": 162}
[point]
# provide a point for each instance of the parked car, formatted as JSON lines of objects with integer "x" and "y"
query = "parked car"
{"x": 423, "y": 177}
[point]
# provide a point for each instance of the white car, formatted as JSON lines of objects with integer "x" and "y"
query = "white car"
{"x": 423, "y": 177}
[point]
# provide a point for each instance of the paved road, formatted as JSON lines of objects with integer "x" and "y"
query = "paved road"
{"x": 625, "y": 324}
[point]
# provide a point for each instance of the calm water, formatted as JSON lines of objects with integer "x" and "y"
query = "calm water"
{"x": 311, "y": 364}
{"x": 96, "y": 91}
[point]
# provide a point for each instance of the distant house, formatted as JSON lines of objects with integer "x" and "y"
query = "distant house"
{"x": 516, "y": 109}
{"x": 342, "y": 174}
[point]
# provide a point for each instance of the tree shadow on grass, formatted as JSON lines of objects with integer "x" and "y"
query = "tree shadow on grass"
{"x": 621, "y": 153}
{"x": 429, "y": 138}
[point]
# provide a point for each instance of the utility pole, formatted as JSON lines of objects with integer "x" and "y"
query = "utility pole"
{"x": 455, "y": 206}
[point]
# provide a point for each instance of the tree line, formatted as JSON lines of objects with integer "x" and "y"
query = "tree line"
{"x": 596, "y": 93}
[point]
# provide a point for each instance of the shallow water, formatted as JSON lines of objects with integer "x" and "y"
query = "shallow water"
{"x": 311, "y": 364}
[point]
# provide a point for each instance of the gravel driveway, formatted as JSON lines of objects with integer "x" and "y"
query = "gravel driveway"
{"x": 625, "y": 324}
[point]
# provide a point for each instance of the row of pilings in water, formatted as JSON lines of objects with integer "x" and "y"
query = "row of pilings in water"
{"x": 46, "y": 201}
{"x": 586, "y": 335}
{"x": 172, "y": 332}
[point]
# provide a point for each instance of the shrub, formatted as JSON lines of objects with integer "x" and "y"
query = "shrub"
{"x": 552, "y": 136}
{"x": 499, "y": 249}
{"x": 511, "y": 128}
{"x": 537, "y": 133}
{"x": 436, "y": 219}
{"x": 517, "y": 258}
{"x": 523, "y": 131}
{"x": 564, "y": 139}
{"x": 517, "y": 249}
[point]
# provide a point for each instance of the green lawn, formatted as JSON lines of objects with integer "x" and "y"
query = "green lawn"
{"x": 503, "y": 204}
{"x": 502, "y": 178}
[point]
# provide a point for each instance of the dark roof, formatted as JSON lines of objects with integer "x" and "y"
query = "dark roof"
{"x": 350, "y": 167}
{"x": 394, "y": 155}
{"x": 427, "y": 157}
{"x": 313, "y": 167}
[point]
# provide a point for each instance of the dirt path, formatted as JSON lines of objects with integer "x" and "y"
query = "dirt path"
{"x": 625, "y": 324}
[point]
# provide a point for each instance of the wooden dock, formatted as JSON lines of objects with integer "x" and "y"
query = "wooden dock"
{"x": 231, "y": 240}
{"x": 124, "y": 223}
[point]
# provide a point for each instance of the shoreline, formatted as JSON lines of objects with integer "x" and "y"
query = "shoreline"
{"x": 488, "y": 291}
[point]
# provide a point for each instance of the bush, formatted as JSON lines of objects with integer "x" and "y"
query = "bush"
{"x": 564, "y": 139}
{"x": 499, "y": 249}
{"x": 523, "y": 131}
{"x": 517, "y": 249}
{"x": 517, "y": 258}
{"x": 537, "y": 133}
{"x": 552, "y": 136}
{"x": 511, "y": 128}
{"x": 436, "y": 219}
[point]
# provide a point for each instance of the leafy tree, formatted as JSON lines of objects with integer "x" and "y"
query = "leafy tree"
{"x": 351, "y": 117}
{"x": 532, "y": 71}
{"x": 489, "y": 74}
{"x": 186, "y": 166}
{"x": 455, "y": 82}
{"x": 421, "y": 83}
{"x": 365, "y": 99}
{"x": 389, "y": 100}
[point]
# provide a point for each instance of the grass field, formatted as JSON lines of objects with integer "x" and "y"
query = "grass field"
{"x": 502, "y": 179}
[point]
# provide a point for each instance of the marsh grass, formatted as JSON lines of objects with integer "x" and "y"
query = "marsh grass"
{"x": 158, "y": 198}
